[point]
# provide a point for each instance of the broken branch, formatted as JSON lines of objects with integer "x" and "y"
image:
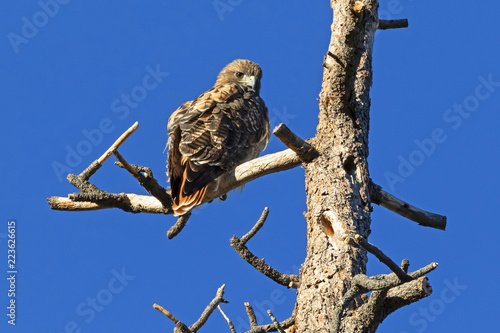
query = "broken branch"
{"x": 251, "y": 315}
{"x": 392, "y": 24}
{"x": 178, "y": 226}
{"x": 304, "y": 150}
{"x": 275, "y": 322}
{"x": 398, "y": 206}
{"x": 361, "y": 284}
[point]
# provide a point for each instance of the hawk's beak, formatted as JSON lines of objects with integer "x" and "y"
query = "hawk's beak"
{"x": 249, "y": 81}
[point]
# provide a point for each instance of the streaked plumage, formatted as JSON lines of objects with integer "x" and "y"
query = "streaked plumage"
{"x": 223, "y": 127}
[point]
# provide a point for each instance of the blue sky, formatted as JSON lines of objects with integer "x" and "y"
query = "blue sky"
{"x": 63, "y": 95}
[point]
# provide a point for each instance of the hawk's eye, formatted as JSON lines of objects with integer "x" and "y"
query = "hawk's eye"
{"x": 239, "y": 75}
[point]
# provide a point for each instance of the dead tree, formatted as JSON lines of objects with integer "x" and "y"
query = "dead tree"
{"x": 332, "y": 285}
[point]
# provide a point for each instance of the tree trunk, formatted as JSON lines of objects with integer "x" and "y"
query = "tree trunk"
{"x": 338, "y": 181}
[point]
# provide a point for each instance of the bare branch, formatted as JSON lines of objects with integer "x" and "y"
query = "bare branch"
{"x": 406, "y": 294}
{"x": 117, "y": 143}
{"x": 382, "y": 303}
{"x": 392, "y": 24}
{"x": 145, "y": 178}
{"x": 271, "y": 327}
{"x": 304, "y": 150}
{"x": 229, "y": 322}
{"x": 289, "y": 281}
{"x": 256, "y": 227}
{"x": 398, "y": 206}
{"x": 182, "y": 328}
{"x": 253, "y": 169}
{"x": 166, "y": 313}
{"x": 178, "y": 226}
{"x": 251, "y": 315}
{"x": 136, "y": 203}
{"x": 361, "y": 284}
{"x": 242, "y": 174}
{"x": 360, "y": 240}
{"x": 275, "y": 322}
{"x": 209, "y": 309}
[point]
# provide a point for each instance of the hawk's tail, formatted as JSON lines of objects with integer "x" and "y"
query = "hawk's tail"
{"x": 184, "y": 203}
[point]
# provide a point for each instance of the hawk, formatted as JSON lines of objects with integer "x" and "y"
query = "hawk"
{"x": 209, "y": 136}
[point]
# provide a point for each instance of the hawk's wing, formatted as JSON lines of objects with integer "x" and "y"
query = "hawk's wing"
{"x": 223, "y": 127}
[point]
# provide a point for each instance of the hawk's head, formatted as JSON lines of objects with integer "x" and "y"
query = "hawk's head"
{"x": 245, "y": 73}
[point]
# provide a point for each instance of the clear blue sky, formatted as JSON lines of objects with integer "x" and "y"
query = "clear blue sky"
{"x": 66, "y": 71}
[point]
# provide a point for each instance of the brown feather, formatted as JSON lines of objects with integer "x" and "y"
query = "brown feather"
{"x": 223, "y": 127}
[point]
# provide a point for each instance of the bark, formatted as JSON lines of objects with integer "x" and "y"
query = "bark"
{"x": 338, "y": 180}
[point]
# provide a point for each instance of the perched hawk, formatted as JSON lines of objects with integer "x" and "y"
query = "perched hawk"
{"x": 223, "y": 127}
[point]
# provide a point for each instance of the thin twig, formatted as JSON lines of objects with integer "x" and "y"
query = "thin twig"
{"x": 305, "y": 151}
{"x": 166, "y": 313}
{"x": 290, "y": 281}
{"x": 256, "y": 227}
{"x": 229, "y": 322}
{"x": 398, "y": 206}
{"x": 360, "y": 240}
{"x": 181, "y": 327}
{"x": 117, "y": 143}
{"x": 203, "y": 317}
{"x": 209, "y": 309}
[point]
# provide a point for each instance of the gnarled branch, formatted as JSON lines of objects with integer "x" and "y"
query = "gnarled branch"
{"x": 290, "y": 281}
{"x": 361, "y": 284}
